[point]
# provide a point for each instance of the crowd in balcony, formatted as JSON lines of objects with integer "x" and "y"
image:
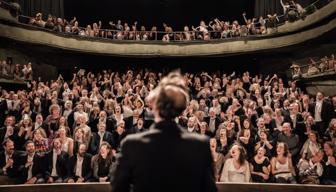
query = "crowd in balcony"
{"x": 16, "y": 72}
{"x": 314, "y": 67}
{"x": 260, "y": 128}
{"x": 215, "y": 29}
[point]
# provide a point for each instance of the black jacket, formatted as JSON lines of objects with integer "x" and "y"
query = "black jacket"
{"x": 61, "y": 164}
{"x": 38, "y": 169}
{"x": 11, "y": 171}
{"x": 326, "y": 111}
{"x": 86, "y": 167}
{"x": 95, "y": 141}
{"x": 165, "y": 158}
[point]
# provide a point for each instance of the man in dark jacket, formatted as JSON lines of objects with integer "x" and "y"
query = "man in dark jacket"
{"x": 8, "y": 163}
{"x": 99, "y": 137}
{"x": 165, "y": 158}
{"x": 80, "y": 166}
{"x": 57, "y": 163}
{"x": 32, "y": 165}
{"x": 321, "y": 110}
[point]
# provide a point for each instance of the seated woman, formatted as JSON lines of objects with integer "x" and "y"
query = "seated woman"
{"x": 236, "y": 168}
{"x": 311, "y": 146}
{"x": 40, "y": 141}
{"x": 281, "y": 164}
{"x": 67, "y": 142}
{"x": 102, "y": 163}
{"x": 260, "y": 166}
{"x": 310, "y": 170}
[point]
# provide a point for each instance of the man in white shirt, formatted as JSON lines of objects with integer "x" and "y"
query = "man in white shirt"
{"x": 80, "y": 166}
{"x": 57, "y": 163}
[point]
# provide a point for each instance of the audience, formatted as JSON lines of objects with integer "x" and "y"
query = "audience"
{"x": 261, "y": 128}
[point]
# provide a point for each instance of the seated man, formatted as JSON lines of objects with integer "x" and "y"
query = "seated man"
{"x": 99, "y": 137}
{"x": 57, "y": 163}
{"x": 8, "y": 163}
{"x": 80, "y": 166}
{"x": 32, "y": 166}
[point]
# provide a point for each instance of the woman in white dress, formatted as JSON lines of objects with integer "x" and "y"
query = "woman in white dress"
{"x": 236, "y": 168}
{"x": 67, "y": 142}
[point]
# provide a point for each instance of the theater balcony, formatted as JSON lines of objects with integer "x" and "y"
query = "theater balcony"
{"x": 288, "y": 34}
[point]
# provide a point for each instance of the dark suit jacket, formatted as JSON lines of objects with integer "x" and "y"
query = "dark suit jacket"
{"x": 217, "y": 123}
{"x": 326, "y": 111}
{"x": 95, "y": 141}
{"x": 86, "y": 167}
{"x": 165, "y": 158}
{"x": 11, "y": 171}
{"x": 39, "y": 166}
{"x": 61, "y": 164}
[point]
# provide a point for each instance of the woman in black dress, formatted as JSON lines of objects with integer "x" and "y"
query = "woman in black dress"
{"x": 260, "y": 166}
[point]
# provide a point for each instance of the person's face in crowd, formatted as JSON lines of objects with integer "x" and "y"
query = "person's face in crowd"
{"x": 261, "y": 152}
{"x": 104, "y": 151}
{"x": 82, "y": 150}
{"x": 295, "y": 108}
{"x": 57, "y": 144}
{"x": 230, "y": 126}
{"x": 261, "y": 123}
{"x": 79, "y": 134}
{"x": 191, "y": 122}
{"x": 9, "y": 147}
{"x": 222, "y": 133}
{"x": 286, "y": 103}
{"x": 202, "y": 103}
{"x": 212, "y": 113}
{"x": 102, "y": 115}
{"x": 38, "y": 136}
{"x": 203, "y": 127}
{"x": 82, "y": 120}
{"x": 62, "y": 132}
{"x": 319, "y": 96}
{"x": 30, "y": 148}
{"x": 80, "y": 107}
{"x": 328, "y": 150}
{"x": 280, "y": 149}
{"x": 26, "y": 121}
{"x": 9, "y": 121}
{"x": 263, "y": 136}
{"x": 39, "y": 119}
{"x": 121, "y": 127}
{"x": 102, "y": 127}
{"x": 62, "y": 120}
{"x": 286, "y": 128}
{"x": 317, "y": 157}
{"x": 140, "y": 123}
{"x": 213, "y": 143}
{"x": 235, "y": 153}
{"x": 246, "y": 124}
{"x": 312, "y": 137}
{"x": 310, "y": 119}
{"x": 117, "y": 110}
{"x": 55, "y": 111}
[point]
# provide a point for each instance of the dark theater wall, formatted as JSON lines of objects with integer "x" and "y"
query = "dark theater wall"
{"x": 176, "y": 13}
{"x": 31, "y": 7}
